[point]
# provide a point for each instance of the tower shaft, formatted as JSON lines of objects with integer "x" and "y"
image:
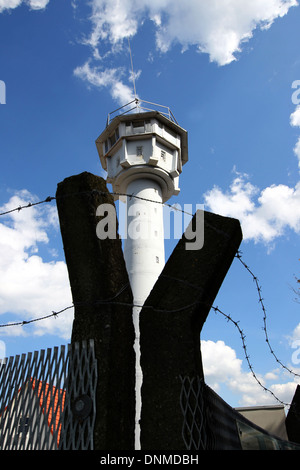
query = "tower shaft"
{"x": 144, "y": 251}
{"x": 144, "y": 258}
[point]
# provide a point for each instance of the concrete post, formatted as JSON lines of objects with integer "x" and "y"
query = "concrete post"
{"x": 170, "y": 325}
{"x": 103, "y": 306}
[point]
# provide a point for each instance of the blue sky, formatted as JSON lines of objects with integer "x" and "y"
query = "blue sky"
{"x": 226, "y": 70}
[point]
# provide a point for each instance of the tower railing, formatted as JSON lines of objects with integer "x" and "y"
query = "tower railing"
{"x": 141, "y": 106}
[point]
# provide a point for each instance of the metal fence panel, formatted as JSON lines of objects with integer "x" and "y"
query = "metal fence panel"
{"x": 209, "y": 423}
{"x": 41, "y": 396}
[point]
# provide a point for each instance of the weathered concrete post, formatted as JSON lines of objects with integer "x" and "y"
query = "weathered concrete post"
{"x": 103, "y": 306}
{"x": 170, "y": 325}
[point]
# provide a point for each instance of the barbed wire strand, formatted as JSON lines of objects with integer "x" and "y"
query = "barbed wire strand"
{"x": 30, "y": 204}
{"x": 27, "y": 322}
{"x": 261, "y": 302}
{"x": 247, "y": 356}
{"x": 103, "y": 193}
{"x": 111, "y": 301}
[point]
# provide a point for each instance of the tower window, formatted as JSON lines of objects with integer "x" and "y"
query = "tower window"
{"x": 147, "y": 126}
{"x": 128, "y": 128}
{"x": 157, "y": 259}
{"x": 112, "y": 140}
{"x": 138, "y": 127}
{"x": 139, "y": 151}
{"x": 163, "y": 155}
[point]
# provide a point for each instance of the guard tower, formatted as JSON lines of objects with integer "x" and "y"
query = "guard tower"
{"x": 143, "y": 152}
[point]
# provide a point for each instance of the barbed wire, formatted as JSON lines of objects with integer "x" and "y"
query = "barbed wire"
{"x": 30, "y": 204}
{"x": 27, "y": 322}
{"x": 112, "y": 301}
{"x": 261, "y": 302}
{"x": 96, "y": 191}
{"x": 243, "y": 336}
{"x": 247, "y": 356}
{"x": 101, "y": 302}
{"x": 185, "y": 307}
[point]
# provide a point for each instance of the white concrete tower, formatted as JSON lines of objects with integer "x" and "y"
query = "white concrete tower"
{"x": 143, "y": 154}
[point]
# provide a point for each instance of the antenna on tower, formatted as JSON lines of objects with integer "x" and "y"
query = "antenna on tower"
{"x": 137, "y": 103}
{"x": 132, "y": 71}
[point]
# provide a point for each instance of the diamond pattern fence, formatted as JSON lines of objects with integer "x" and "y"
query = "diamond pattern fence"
{"x": 47, "y": 399}
{"x": 195, "y": 430}
{"x": 209, "y": 423}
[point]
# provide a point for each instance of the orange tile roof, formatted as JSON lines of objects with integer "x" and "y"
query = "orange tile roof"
{"x": 44, "y": 391}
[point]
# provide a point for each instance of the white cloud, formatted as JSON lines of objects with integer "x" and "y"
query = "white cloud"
{"x": 223, "y": 368}
{"x": 220, "y": 363}
{"x": 295, "y": 117}
{"x": 109, "y": 78}
{"x": 38, "y": 4}
{"x": 272, "y": 375}
{"x": 9, "y": 4}
{"x": 96, "y": 76}
{"x": 30, "y": 287}
{"x": 216, "y": 27}
{"x": 33, "y": 4}
{"x": 114, "y": 20}
{"x": 264, "y": 215}
{"x": 296, "y": 335}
